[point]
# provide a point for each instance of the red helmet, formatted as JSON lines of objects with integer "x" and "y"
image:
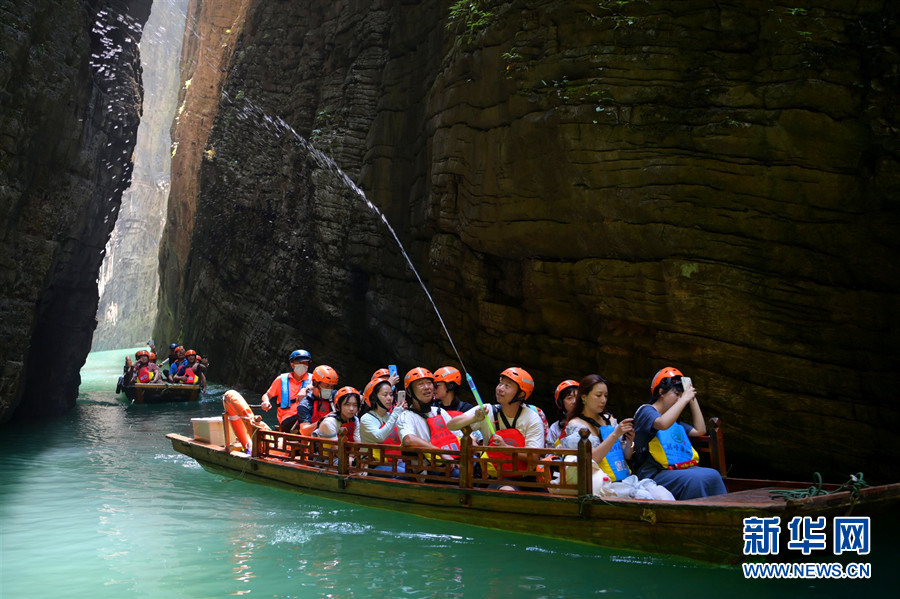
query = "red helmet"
{"x": 562, "y": 390}
{"x": 416, "y": 374}
{"x": 521, "y": 378}
{"x": 665, "y": 373}
{"x": 141, "y": 352}
{"x": 328, "y": 375}
{"x": 343, "y": 394}
{"x": 447, "y": 374}
{"x": 369, "y": 391}
{"x": 381, "y": 373}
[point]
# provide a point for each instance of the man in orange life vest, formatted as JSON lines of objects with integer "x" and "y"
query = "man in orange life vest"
{"x": 516, "y": 425}
{"x": 288, "y": 388}
{"x": 424, "y": 426}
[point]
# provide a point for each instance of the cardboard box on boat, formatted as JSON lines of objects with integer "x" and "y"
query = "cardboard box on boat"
{"x": 209, "y": 430}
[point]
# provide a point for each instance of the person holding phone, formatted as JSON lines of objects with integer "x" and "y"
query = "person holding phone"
{"x": 379, "y": 423}
{"x": 662, "y": 449}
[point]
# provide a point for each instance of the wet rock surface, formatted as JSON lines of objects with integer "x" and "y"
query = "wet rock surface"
{"x": 69, "y": 109}
{"x": 584, "y": 187}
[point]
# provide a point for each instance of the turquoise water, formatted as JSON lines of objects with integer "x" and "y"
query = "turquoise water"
{"x": 97, "y": 504}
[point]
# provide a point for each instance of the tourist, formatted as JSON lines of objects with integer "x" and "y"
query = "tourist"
{"x": 287, "y": 388}
{"x": 447, "y": 382}
{"x": 149, "y": 372}
{"x": 663, "y": 451}
{"x": 170, "y": 360}
{"x": 191, "y": 363}
{"x": 422, "y": 425}
{"x": 515, "y": 424}
{"x": 316, "y": 404}
{"x": 177, "y": 367}
{"x": 379, "y": 423}
{"x": 346, "y": 407}
{"x": 133, "y": 369}
{"x": 386, "y": 373}
{"x": 200, "y": 367}
{"x": 565, "y": 402}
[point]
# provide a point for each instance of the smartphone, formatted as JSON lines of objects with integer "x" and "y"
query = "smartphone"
{"x": 393, "y": 369}
{"x": 686, "y": 382}
{"x": 401, "y": 397}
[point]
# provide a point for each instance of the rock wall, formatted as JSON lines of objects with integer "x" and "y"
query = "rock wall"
{"x": 584, "y": 186}
{"x": 69, "y": 109}
{"x": 129, "y": 277}
{"x": 209, "y": 40}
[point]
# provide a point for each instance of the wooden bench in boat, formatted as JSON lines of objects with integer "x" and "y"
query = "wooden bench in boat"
{"x": 466, "y": 468}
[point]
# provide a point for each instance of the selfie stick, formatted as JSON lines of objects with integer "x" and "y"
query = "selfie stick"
{"x": 487, "y": 418}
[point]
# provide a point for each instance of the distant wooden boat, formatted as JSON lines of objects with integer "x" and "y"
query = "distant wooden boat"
{"x": 161, "y": 392}
{"x": 708, "y": 529}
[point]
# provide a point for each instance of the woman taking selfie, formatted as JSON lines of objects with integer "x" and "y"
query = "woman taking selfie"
{"x": 662, "y": 449}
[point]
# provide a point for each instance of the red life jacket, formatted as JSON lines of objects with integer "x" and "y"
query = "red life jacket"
{"x": 321, "y": 409}
{"x": 351, "y": 429}
{"x": 392, "y": 439}
{"x": 512, "y": 436}
{"x": 442, "y": 436}
{"x": 144, "y": 375}
{"x": 350, "y": 425}
{"x": 189, "y": 377}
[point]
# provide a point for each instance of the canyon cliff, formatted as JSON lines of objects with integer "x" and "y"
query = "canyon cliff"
{"x": 129, "y": 279}
{"x": 69, "y": 109}
{"x": 584, "y": 187}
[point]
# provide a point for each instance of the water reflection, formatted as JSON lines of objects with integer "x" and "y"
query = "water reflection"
{"x": 97, "y": 504}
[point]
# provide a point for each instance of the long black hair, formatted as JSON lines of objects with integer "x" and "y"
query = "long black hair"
{"x": 585, "y": 387}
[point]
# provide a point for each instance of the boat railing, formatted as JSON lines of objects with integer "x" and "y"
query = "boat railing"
{"x": 712, "y": 445}
{"x": 561, "y": 471}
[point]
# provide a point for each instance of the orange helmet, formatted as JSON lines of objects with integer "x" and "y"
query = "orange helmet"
{"x": 328, "y": 375}
{"x": 416, "y": 374}
{"x": 343, "y": 394}
{"x": 152, "y": 357}
{"x": 381, "y": 373}
{"x": 665, "y": 373}
{"x": 447, "y": 374}
{"x": 562, "y": 390}
{"x": 370, "y": 390}
{"x": 521, "y": 378}
{"x": 141, "y": 352}
{"x": 190, "y": 352}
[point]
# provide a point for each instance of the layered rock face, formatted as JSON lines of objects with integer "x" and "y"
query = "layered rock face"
{"x": 69, "y": 109}
{"x": 129, "y": 279}
{"x": 584, "y": 187}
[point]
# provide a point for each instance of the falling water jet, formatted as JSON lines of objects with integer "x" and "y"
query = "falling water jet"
{"x": 327, "y": 163}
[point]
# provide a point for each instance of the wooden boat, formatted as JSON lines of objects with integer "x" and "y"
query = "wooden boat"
{"x": 708, "y": 529}
{"x": 161, "y": 392}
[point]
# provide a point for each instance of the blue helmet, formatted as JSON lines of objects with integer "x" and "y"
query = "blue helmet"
{"x": 300, "y": 355}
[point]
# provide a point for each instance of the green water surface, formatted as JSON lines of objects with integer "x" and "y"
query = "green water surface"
{"x": 97, "y": 504}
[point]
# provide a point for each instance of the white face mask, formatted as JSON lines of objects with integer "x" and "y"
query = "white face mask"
{"x": 326, "y": 393}
{"x": 300, "y": 369}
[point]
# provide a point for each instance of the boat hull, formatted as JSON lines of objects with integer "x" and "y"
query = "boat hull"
{"x": 707, "y": 530}
{"x": 151, "y": 393}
